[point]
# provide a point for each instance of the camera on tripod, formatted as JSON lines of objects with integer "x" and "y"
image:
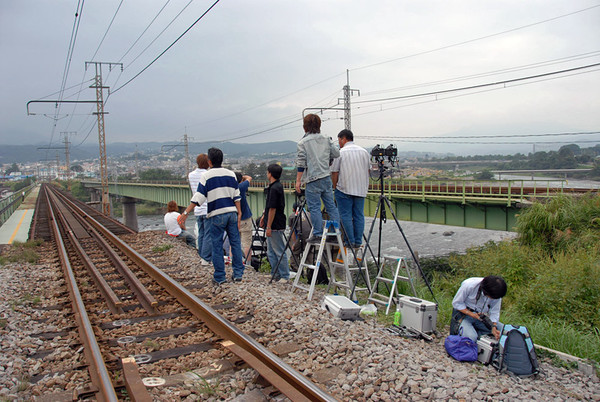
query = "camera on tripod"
{"x": 379, "y": 154}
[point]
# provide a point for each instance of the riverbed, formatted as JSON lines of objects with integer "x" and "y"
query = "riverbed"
{"x": 426, "y": 239}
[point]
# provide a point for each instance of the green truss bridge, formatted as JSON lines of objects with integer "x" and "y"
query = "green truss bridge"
{"x": 469, "y": 203}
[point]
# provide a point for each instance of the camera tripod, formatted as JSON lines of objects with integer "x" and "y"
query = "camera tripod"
{"x": 380, "y": 210}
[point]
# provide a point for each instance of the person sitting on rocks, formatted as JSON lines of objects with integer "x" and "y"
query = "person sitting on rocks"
{"x": 475, "y": 298}
{"x": 176, "y": 229}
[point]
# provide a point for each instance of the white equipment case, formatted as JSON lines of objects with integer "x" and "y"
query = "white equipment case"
{"x": 341, "y": 307}
{"x": 418, "y": 314}
{"x": 486, "y": 346}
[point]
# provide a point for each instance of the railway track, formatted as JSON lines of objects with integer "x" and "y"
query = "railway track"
{"x": 130, "y": 313}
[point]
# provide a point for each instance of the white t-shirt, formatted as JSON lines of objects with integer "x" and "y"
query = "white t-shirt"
{"x": 171, "y": 223}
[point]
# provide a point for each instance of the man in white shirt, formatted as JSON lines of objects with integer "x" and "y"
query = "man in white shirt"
{"x": 350, "y": 178}
{"x": 477, "y": 297}
{"x": 204, "y": 241}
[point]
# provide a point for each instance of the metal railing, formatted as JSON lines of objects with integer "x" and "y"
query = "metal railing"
{"x": 10, "y": 204}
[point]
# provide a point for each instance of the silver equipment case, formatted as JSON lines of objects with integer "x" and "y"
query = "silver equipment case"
{"x": 341, "y": 307}
{"x": 418, "y": 314}
{"x": 486, "y": 346}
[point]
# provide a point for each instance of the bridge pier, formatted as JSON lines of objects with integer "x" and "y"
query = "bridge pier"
{"x": 130, "y": 213}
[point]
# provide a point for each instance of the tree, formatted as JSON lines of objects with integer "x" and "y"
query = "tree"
{"x": 486, "y": 174}
{"x": 76, "y": 169}
{"x": 13, "y": 168}
{"x": 157, "y": 174}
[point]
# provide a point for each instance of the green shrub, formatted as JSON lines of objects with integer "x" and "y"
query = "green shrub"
{"x": 565, "y": 288}
{"x": 563, "y": 222}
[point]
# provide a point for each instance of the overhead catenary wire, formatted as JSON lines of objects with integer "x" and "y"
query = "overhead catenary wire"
{"x": 476, "y": 39}
{"x": 489, "y": 136}
{"x": 169, "y": 47}
{"x": 70, "y": 50}
{"x": 496, "y": 83}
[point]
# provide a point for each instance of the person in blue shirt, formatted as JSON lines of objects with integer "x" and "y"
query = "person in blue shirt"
{"x": 246, "y": 223}
{"x": 475, "y": 298}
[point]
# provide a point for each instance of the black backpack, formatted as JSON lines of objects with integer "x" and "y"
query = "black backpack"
{"x": 516, "y": 353}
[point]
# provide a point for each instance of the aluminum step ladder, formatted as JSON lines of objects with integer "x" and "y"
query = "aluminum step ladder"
{"x": 349, "y": 266}
{"x": 382, "y": 299}
{"x": 305, "y": 267}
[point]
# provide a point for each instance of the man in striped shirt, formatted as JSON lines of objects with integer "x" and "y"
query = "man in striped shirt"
{"x": 350, "y": 178}
{"x": 219, "y": 187}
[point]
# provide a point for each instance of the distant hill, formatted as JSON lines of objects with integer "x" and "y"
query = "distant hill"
{"x": 31, "y": 153}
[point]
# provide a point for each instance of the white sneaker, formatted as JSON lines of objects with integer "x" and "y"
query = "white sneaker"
{"x": 203, "y": 262}
{"x": 282, "y": 280}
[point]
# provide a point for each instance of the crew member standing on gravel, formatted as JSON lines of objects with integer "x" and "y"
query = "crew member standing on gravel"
{"x": 275, "y": 225}
{"x": 350, "y": 178}
{"x": 219, "y": 188}
{"x": 315, "y": 153}
{"x": 246, "y": 224}
{"x": 204, "y": 242}
{"x": 477, "y": 297}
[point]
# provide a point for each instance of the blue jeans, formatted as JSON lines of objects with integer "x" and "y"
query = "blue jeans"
{"x": 226, "y": 223}
{"x": 189, "y": 238}
{"x": 204, "y": 241}
{"x": 275, "y": 251}
{"x": 315, "y": 192}
{"x": 473, "y": 329}
{"x": 352, "y": 214}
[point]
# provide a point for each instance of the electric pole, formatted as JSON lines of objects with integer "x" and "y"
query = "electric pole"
{"x": 101, "y": 133}
{"x": 67, "y": 152}
{"x": 168, "y": 147}
{"x": 187, "y": 153}
{"x": 347, "y": 93}
{"x": 346, "y": 99}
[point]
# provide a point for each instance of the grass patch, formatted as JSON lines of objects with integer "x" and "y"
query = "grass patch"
{"x": 3, "y": 323}
{"x": 162, "y": 248}
{"x": 21, "y": 252}
{"x": 204, "y": 387}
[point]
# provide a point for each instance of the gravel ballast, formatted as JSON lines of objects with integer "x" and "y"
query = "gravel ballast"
{"x": 352, "y": 360}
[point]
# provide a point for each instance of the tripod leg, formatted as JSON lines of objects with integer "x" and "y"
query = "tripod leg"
{"x": 410, "y": 249}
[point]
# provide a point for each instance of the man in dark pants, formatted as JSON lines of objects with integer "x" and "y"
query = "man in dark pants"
{"x": 274, "y": 219}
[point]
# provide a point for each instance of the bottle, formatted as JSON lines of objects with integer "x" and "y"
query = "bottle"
{"x": 397, "y": 317}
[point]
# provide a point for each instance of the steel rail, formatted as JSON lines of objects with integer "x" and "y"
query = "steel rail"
{"x": 114, "y": 303}
{"x": 282, "y": 376}
{"x": 97, "y": 368}
{"x": 147, "y": 301}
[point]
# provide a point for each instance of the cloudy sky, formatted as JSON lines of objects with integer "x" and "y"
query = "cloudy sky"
{"x": 247, "y": 70}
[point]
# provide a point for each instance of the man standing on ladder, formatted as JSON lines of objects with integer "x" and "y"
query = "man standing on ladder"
{"x": 350, "y": 178}
{"x": 315, "y": 153}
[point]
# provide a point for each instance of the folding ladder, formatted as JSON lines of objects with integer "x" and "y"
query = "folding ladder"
{"x": 382, "y": 299}
{"x": 326, "y": 247}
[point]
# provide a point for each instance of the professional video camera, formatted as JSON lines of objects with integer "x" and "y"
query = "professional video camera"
{"x": 379, "y": 154}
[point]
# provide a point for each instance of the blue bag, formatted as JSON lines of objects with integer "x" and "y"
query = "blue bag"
{"x": 461, "y": 348}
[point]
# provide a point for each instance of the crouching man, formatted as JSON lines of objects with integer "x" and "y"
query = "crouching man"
{"x": 477, "y": 300}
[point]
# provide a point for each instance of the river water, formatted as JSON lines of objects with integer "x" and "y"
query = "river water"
{"x": 427, "y": 239}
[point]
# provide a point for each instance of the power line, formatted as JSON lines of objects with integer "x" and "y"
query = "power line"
{"x": 474, "y": 40}
{"x": 107, "y": 29}
{"x": 161, "y": 32}
{"x": 147, "y": 27}
{"x": 501, "y": 143}
{"x": 171, "y": 45}
{"x": 67, "y": 67}
{"x": 494, "y": 72}
{"x": 504, "y": 82}
{"x": 491, "y": 136}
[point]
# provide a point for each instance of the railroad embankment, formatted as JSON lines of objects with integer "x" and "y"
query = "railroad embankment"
{"x": 351, "y": 360}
